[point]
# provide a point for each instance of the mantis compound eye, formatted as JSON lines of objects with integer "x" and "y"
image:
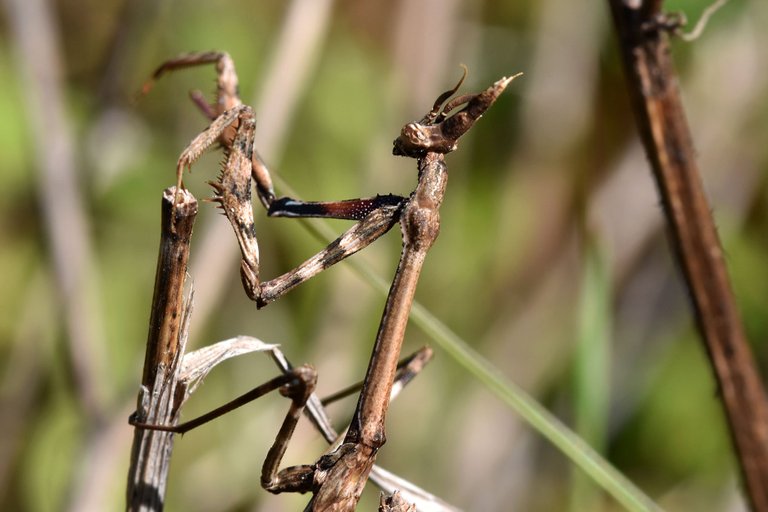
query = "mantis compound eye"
{"x": 417, "y": 139}
{"x": 415, "y": 135}
{"x": 413, "y": 141}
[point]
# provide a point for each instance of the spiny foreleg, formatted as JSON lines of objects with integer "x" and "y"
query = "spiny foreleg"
{"x": 240, "y": 115}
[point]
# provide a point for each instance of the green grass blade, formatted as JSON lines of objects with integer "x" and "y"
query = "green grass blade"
{"x": 549, "y": 426}
{"x": 600, "y": 470}
{"x": 591, "y": 382}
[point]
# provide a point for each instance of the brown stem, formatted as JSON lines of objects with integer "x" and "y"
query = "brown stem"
{"x": 151, "y": 452}
{"x": 652, "y": 84}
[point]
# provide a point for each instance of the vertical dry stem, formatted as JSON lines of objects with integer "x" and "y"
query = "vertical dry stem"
{"x": 652, "y": 84}
{"x": 158, "y": 403}
{"x": 37, "y": 43}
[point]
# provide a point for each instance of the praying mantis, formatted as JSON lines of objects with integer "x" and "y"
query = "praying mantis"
{"x": 336, "y": 480}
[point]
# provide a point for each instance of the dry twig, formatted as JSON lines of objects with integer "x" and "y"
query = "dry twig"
{"x": 151, "y": 452}
{"x": 652, "y": 84}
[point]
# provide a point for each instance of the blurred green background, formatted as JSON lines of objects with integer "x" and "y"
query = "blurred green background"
{"x": 552, "y": 260}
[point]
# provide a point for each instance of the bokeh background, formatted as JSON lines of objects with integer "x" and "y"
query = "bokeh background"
{"x": 552, "y": 261}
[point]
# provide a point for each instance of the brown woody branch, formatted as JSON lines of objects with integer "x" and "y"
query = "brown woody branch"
{"x": 160, "y": 394}
{"x": 653, "y": 89}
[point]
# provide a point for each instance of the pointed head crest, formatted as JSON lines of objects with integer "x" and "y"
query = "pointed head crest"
{"x": 437, "y": 131}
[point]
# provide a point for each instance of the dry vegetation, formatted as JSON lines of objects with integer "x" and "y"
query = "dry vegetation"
{"x": 553, "y": 259}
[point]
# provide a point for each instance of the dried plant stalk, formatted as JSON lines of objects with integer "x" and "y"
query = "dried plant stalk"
{"x": 158, "y": 402}
{"x": 652, "y": 83}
